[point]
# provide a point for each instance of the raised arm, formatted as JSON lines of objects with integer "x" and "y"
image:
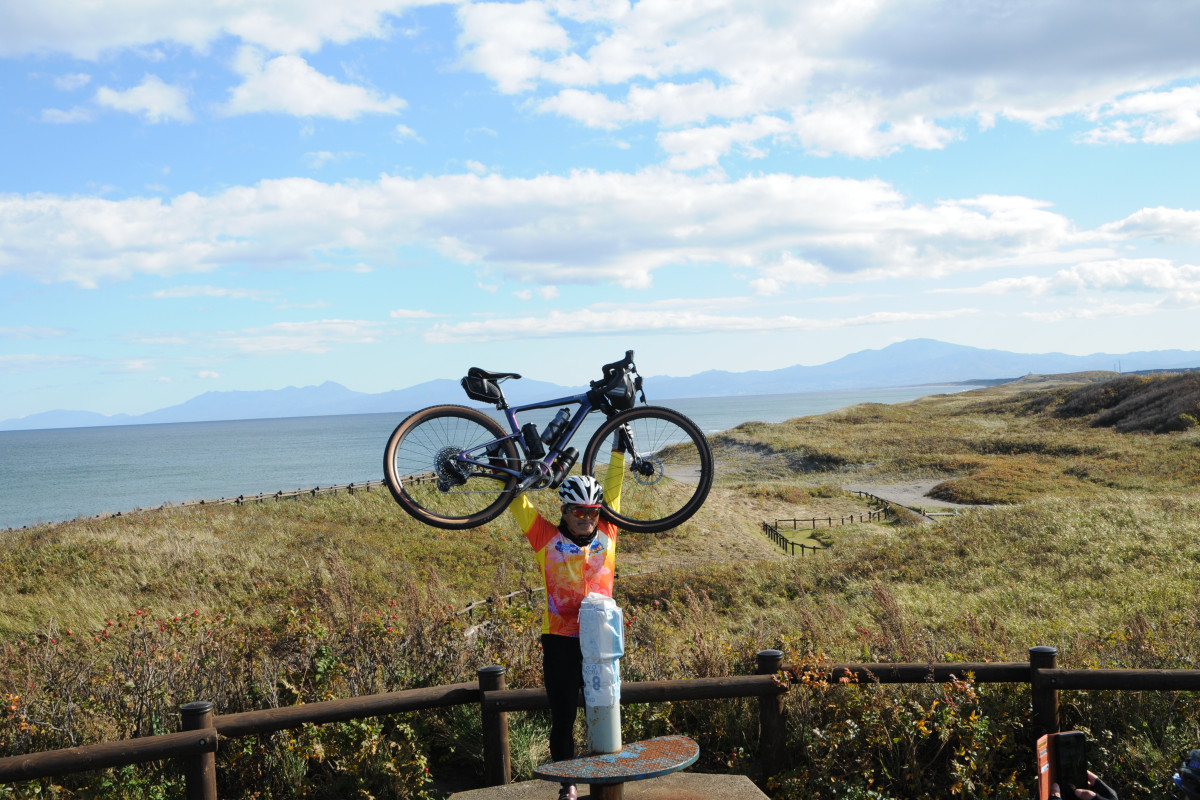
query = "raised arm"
{"x": 614, "y": 478}
{"x": 523, "y": 512}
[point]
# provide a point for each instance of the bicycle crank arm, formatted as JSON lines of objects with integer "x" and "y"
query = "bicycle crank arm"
{"x": 537, "y": 476}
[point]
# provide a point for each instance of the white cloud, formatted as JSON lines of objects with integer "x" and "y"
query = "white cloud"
{"x": 477, "y": 167}
{"x": 184, "y": 292}
{"x": 412, "y": 313}
{"x": 590, "y": 322}
{"x": 403, "y": 133}
{"x": 87, "y": 30}
{"x": 13, "y": 363}
{"x": 590, "y": 108}
{"x": 1158, "y": 117}
{"x": 58, "y": 116}
{"x": 1179, "y": 285}
{"x": 545, "y": 293}
{"x": 863, "y": 78}
{"x": 789, "y": 270}
{"x": 1117, "y": 132}
{"x": 207, "y": 375}
{"x": 1104, "y": 311}
{"x": 320, "y": 158}
{"x": 153, "y": 99}
{"x": 551, "y": 230}
{"x": 669, "y": 102}
{"x": 289, "y": 85}
{"x": 483, "y": 130}
{"x": 100, "y": 240}
{"x": 703, "y": 147}
{"x": 866, "y": 131}
{"x": 317, "y": 336}
{"x": 502, "y": 40}
{"x": 1170, "y": 224}
{"x": 72, "y": 81}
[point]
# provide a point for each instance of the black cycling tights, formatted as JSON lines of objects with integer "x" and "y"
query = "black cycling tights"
{"x": 562, "y": 670}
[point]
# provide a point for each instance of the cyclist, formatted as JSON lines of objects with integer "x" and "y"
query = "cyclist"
{"x": 576, "y": 556}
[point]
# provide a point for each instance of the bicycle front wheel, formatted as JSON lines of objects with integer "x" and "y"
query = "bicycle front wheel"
{"x": 425, "y": 470}
{"x": 668, "y": 467}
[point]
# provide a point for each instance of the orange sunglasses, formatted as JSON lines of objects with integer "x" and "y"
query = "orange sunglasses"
{"x": 583, "y": 512}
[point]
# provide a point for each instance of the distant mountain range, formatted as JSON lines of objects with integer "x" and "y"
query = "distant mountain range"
{"x": 909, "y": 363}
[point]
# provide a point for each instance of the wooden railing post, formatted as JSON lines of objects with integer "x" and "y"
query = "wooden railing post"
{"x": 199, "y": 771}
{"x": 1045, "y": 695}
{"x": 772, "y": 728}
{"x": 497, "y": 766}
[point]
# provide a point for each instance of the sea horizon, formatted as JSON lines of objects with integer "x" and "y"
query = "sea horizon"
{"x": 54, "y": 475}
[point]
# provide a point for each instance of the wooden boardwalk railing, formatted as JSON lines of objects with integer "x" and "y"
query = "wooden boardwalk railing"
{"x": 784, "y": 543}
{"x": 774, "y": 531}
{"x": 202, "y": 732}
{"x": 830, "y": 521}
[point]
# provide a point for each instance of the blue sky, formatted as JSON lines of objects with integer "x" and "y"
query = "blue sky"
{"x": 198, "y": 196}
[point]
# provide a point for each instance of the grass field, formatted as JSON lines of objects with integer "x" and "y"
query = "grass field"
{"x": 1091, "y": 546}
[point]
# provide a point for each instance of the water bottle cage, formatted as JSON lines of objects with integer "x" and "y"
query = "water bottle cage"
{"x": 533, "y": 442}
{"x": 557, "y": 425}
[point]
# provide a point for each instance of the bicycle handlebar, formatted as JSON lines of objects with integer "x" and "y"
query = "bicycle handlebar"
{"x": 614, "y": 372}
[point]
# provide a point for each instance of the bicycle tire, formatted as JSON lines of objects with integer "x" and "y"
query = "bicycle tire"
{"x": 425, "y": 478}
{"x": 668, "y": 486}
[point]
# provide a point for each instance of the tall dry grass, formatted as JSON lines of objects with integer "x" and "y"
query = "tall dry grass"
{"x": 299, "y": 601}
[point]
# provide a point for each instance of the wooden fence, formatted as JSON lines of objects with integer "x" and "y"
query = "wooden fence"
{"x": 786, "y": 544}
{"x": 243, "y": 499}
{"x": 201, "y": 732}
{"x": 775, "y": 531}
{"x": 830, "y": 522}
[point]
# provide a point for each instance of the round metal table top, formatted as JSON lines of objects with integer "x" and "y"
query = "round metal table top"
{"x": 636, "y": 761}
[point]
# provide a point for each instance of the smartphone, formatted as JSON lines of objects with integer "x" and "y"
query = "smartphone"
{"x": 1070, "y": 757}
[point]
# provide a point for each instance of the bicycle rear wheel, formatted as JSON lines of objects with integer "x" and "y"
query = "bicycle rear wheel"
{"x": 668, "y": 468}
{"x": 424, "y": 469}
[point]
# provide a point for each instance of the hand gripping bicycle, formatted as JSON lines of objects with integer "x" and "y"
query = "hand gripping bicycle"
{"x": 455, "y": 467}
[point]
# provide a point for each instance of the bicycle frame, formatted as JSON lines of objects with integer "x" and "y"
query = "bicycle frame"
{"x": 554, "y": 449}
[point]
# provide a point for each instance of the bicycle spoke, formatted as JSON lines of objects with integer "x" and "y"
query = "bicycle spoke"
{"x": 667, "y": 467}
{"x": 432, "y": 482}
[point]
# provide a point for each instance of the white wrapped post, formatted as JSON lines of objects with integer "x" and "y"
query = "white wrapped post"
{"x": 602, "y": 641}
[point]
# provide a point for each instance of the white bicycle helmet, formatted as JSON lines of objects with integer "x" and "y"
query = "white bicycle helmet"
{"x": 581, "y": 490}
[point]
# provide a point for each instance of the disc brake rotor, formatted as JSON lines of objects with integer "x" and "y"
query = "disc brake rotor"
{"x": 648, "y": 470}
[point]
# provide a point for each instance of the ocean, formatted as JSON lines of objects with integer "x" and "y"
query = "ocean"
{"x": 62, "y": 474}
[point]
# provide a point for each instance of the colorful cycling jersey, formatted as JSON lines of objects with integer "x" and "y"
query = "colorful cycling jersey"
{"x": 570, "y": 572}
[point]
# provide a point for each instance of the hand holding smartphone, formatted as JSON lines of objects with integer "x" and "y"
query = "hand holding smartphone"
{"x": 1062, "y": 759}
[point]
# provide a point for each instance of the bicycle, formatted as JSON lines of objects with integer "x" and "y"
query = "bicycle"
{"x": 455, "y": 467}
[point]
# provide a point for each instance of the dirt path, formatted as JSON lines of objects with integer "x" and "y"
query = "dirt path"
{"x": 911, "y": 493}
